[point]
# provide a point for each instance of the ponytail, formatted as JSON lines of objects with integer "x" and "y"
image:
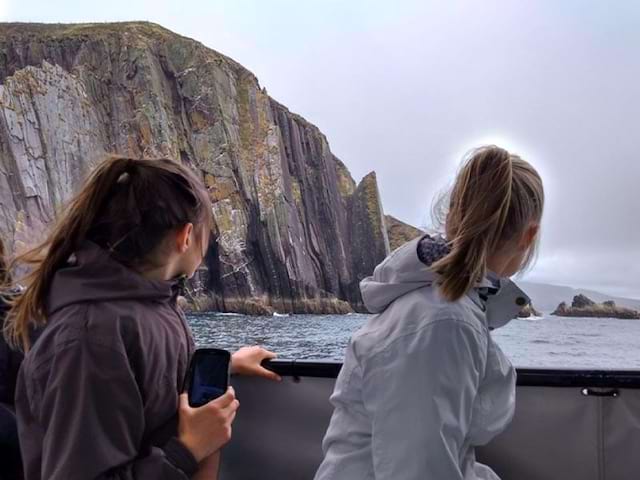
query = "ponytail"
{"x": 495, "y": 196}
{"x": 126, "y": 207}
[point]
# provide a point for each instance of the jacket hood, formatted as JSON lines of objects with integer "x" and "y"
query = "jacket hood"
{"x": 92, "y": 275}
{"x": 401, "y": 273}
{"x": 408, "y": 269}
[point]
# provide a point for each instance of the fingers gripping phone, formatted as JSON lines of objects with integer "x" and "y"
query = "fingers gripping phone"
{"x": 208, "y": 375}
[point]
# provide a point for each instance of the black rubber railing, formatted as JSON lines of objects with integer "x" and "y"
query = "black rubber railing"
{"x": 527, "y": 377}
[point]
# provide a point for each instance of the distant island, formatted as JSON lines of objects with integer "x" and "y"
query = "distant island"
{"x": 583, "y": 306}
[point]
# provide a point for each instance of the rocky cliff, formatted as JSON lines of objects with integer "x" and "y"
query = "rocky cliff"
{"x": 582, "y": 306}
{"x": 294, "y": 232}
{"x": 400, "y": 232}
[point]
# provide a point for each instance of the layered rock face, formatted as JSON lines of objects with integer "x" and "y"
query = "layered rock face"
{"x": 294, "y": 233}
{"x": 583, "y": 306}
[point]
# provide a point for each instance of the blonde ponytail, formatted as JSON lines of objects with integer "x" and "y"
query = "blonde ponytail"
{"x": 495, "y": 196}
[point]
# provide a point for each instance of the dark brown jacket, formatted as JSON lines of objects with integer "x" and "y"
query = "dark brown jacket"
{"x": 9, "y": 359}
{"x": 97, "y": 395}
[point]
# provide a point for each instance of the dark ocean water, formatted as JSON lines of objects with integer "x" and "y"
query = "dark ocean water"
{"x": 553, "y": 342}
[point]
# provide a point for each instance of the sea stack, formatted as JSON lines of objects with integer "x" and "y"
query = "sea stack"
{"x": 583, "y": 306}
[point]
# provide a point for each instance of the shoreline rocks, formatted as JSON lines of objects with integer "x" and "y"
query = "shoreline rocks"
{"x": 529, "y": 311}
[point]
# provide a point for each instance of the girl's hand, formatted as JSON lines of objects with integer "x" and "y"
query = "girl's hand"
{"x": 204, "y": 430}
{"x": 209, "y": 468}
{"x": 247, "y": 361}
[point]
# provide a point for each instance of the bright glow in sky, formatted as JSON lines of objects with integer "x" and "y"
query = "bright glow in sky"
{"x": 406, "y": 87}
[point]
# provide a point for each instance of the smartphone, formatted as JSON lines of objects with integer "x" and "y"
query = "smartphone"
{"x": 208, "y": 375}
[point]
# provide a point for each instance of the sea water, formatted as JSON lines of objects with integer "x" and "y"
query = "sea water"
{"x": 546, "y": 342}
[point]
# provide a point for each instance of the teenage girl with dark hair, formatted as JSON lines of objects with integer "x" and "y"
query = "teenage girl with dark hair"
{"x": 99, "y": 393}
{"x": 10, "y": 360}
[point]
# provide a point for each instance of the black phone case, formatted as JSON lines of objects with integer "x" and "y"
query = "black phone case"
{"x": 186, "y": 386}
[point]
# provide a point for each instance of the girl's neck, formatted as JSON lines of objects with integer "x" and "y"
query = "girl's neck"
{"x": 499, "y": 264}
{"x": 160, "y": 273}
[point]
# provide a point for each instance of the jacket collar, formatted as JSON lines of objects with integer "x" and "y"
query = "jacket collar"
{"x": 403, "y": 271}
{"x": 92, "y": 275}
{"x": 500, "y": 298}
{"x": 502, "y": 304}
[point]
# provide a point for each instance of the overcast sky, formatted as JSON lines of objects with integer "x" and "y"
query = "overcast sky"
{"x": 406, "y": 87}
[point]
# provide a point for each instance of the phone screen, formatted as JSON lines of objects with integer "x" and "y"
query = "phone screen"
{"x": 209, "y": 376}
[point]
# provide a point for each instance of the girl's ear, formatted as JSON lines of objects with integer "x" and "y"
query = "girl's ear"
{"x": 184, "y": 237}
{"x": 530, "y": 235}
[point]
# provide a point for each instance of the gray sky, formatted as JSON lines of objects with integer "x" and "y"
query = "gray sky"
{"x": 406, "y": 87}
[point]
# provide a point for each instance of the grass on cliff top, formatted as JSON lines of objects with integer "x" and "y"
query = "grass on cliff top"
{"x": 80, "y": 29}
{"x": 141, "y": 33}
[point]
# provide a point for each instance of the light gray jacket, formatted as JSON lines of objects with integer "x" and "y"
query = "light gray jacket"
{"x": 423, "y": 383}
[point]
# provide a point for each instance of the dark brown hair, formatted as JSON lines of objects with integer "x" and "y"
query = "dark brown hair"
{"x": 126, "y": 207}
{"x": 495, "y": 197}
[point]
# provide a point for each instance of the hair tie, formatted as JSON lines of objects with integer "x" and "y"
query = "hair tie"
{"x": 123, "y": 178}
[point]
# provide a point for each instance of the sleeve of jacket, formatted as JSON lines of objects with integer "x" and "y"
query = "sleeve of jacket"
{"x": 420, "y": 392}
{"x": 92, "y": 414}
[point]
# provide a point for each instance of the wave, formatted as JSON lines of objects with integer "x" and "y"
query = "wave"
{"x": 532, "y": 318}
